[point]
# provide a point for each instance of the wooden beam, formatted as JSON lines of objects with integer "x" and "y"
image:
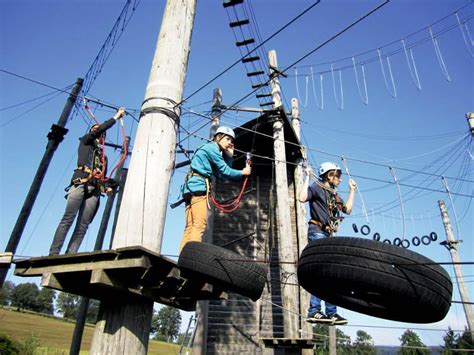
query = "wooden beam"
{"x": 6, "y": 258}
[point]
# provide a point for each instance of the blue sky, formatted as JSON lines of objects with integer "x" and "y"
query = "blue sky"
{"x": 425, "y": 130}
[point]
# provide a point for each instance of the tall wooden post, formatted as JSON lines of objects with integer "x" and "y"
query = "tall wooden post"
{"x": 301, "y": 230}
{"x": 286, "y": 246}
{"x": 332, "y": 340}
{"x": 202, "y": 308}
{"x": 452, "y": 246}
{"x": 55, "y": 137}
{"x": 125, "y": 327}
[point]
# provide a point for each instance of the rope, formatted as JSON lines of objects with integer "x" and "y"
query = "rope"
{"x": 298, "y": 89}
{"x": 366, "y": 100}
{"x": 392, "y": 92}
{"x": 320, "y": 106}
{"x": 439, "y": 56}
{"x": 414, "y": 71}
{"x": 340, "y": 106}
{"x": 465, "y": 31}
{"x": 402, "y": 210}
{"x": 364, "y": 209}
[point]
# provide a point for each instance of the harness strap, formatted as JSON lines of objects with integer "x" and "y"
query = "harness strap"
{"x": 325, "y": 227}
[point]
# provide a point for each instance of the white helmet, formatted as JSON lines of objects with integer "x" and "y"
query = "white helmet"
{"x": 225, "y": 130}
{"x": 327, "y": 166}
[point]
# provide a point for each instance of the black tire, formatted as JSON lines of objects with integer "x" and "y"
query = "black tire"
{"x": 397, "y": 242}
{"x": 426, "y": 240}
{"x": 375, "y": 278}
{"x": 376, "y": 236}
{"x": 230, "y": 270}
{"x": 433, "y": 236}
{"x": 387, "y": 241}
{"x": 354, "y": 227}
{"x": 415, "y": 241}
{"x": 365, "y": 229}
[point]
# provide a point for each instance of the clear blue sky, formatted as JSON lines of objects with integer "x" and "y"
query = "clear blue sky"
{"x": 425, "y": 130}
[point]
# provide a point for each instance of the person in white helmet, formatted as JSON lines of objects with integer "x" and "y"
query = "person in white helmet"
{"x": 325, "y": 209}
{"x": 213, "y": 158}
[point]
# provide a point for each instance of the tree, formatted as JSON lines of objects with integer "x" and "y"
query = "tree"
{"x": 92, "y": 311}
{"x": 465, "y": 341}
{"x": 321, "y": 337}
{"x": 450, "y": 341}
{"x": 411, "y": 344}
{"x": 363, "y": 345}
{"x": 67, "y": 304}
{"x": 44, "y": 301}
{"x": 166, "y": 323}
{"x": 24, "y": 296}
{"x": 6, "y": 293}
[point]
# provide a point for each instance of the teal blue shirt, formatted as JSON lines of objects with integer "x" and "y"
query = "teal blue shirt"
{"x": 209, "y": 160}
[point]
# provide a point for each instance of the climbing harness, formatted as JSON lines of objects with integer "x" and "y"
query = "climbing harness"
{"x": 100, "y": 174}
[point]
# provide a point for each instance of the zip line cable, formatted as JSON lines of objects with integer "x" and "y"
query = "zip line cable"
{"x": 30, "y": 100}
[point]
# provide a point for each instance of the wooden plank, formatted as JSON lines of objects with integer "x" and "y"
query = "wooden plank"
{"x": 6, "y": 258}
{"x": 142, "y": 262}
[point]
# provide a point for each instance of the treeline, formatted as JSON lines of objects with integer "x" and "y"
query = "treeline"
{"x": 28, "y": 296}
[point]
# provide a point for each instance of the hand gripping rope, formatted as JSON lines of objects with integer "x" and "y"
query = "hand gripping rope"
{"x": 234, "y": 205}
{"x": 101, "y": 175}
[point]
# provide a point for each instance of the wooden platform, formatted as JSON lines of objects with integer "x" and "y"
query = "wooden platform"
{"x": 113, "y": 275}
{"x": 288, "y": 343}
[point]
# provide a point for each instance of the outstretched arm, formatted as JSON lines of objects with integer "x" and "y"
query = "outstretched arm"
{"x": 303, "y": 196}
{"x": 350, "y": 200}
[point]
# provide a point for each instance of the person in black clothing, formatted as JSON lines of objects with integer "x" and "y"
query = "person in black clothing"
{"x": 87, "y": 184}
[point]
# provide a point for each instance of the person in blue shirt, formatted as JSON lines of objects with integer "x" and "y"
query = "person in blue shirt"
{"x": 325, "y": 207}
{"x": 212, "y": 159}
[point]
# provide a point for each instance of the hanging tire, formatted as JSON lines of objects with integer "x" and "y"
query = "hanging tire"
{"x": 375, "y": 278}
{"x": 365, "y": 229}
{"x": 387, "y": 241}
{"x": 230, "y": 270}
{"x": 433, "y": 236}
{"x": 376, "y": 236}
{"x": 426, "y": 240}
{"x": 415, "y": 241}
{"x": 397, "y": 241}
{"x": 354, "y": 227}
{"x": 405, "y": 243}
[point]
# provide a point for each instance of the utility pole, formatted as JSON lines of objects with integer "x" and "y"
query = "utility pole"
{"x": 202, "y": 307}
{"x": 55, "y": 137}
{"x": 125, "y": 327}
{"x": 84, "y": 301}
{"x": 289, "y": 292}
{"x": 302, "y": 231}
{"x": 452, "y": 245}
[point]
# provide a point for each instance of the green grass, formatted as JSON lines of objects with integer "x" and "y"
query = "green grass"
{"x": 55, "y": 335}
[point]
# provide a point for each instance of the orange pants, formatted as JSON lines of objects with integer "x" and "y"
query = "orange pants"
{"x": 196, "y": 220}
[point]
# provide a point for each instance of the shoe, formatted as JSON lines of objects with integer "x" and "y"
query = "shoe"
{"x": 318, "y": 317}
{"x": 337, "y": 319}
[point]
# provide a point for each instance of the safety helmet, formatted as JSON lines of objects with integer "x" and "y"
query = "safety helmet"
{"x": 328, "y": 166}
{"x": 225, "y": 130}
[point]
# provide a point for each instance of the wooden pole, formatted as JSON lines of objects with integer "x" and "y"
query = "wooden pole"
{"x": 124, "y": 328}
{"x": 287, "y": 252}
{"x": 332, "y": 340}
{"x": 452, "y": 245}
{"x": 301, "y": 230}
{"x": 202, "y": 307}
{"x": 122, "y": 181}
{"x": 55, "y": 137}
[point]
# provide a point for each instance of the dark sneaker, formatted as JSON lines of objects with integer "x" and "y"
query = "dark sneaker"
{"x": 319, "y": 317}
{"x": 337, "y": 319}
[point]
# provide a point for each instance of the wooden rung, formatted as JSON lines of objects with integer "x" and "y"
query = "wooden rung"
{"x": 232, "y": 3}
{"x": 250, "y": 59}
{"x": 261, "y": 96}
{"x": 255, "y": 73}
{"x": 256, "y": 86}
{"x": 245, "y": 42}
{"x": 6, "y": 258}
{"x": 271, "y": 103}
{"x": 239, "y": 23}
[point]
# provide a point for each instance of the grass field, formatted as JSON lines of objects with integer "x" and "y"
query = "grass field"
{"x": 55, "y": 335}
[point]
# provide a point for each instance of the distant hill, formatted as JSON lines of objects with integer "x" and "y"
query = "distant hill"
{"x": 393, "y": 350}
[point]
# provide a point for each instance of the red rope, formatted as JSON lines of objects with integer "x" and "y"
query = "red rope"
{"x": 234, "y": 205}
